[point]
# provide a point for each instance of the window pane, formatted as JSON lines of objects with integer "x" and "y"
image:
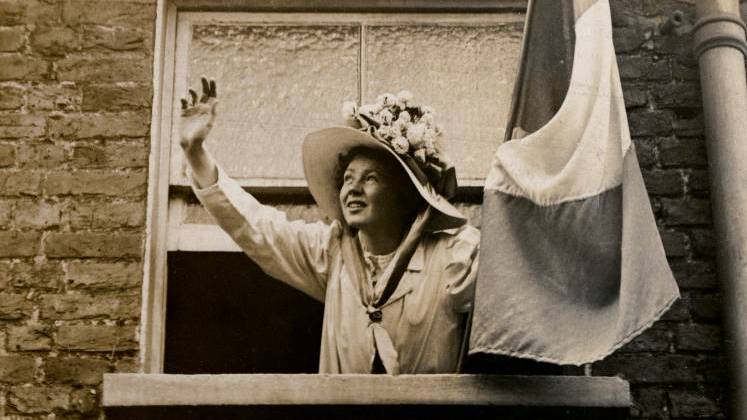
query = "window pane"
{"x": 465, "y": 72}
{"x": 276, "y": 83}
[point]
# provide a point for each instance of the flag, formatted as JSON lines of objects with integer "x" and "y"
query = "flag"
{"x": 571, "y": 263}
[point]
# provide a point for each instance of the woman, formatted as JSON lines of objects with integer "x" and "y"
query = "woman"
{"x": 396, "y": 266}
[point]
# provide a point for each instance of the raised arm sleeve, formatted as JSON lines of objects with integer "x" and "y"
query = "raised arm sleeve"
{"x": 297, "y": 253}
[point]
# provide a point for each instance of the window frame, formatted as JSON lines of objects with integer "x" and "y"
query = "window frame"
{"x": 159, "y": 224}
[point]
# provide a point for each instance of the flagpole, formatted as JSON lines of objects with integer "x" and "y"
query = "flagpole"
{"x": 719, "y": 45}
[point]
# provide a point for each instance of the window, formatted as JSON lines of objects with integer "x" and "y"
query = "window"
{"x": 284, "y": 72}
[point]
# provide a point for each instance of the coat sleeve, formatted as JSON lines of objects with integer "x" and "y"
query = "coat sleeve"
{"x": 461, "y": 268}
{"x": 295, "y": 252}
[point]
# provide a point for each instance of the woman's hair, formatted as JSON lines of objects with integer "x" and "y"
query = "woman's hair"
{"x": 407, "y": 194}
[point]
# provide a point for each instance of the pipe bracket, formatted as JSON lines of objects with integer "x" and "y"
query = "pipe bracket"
{"x": 718, "y": 30}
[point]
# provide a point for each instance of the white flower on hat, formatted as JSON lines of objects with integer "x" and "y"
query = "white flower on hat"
{"x": 404, "y": 116}
{"x": 386, "y": 100}
{"x": 386, "y": 117}
{"x": 349, "y": 110}
{"x": 404, "y": 98}
{"x": 400, "y": 145}
{"x": 427, "y": 119}
{"x": 415, "y": 133}
{"x": 428, "y": 110}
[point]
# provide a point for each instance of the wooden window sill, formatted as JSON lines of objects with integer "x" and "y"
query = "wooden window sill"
{"x": 152, "y": 390}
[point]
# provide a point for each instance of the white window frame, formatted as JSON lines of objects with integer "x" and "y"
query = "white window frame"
{"x": 159, "y": 224}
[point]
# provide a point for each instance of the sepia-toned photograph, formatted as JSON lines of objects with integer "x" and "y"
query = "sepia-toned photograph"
{"x": 400, "y": 209}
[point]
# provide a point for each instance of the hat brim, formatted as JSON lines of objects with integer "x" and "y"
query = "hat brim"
{"x": 321, "y": 150}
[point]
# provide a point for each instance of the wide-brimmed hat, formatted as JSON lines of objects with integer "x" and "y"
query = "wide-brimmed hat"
{"x": 394, "y": 125}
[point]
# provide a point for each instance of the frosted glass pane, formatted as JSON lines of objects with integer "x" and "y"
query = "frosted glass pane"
{"x": 276, "y": 83}
{"x": 465, "y": 73}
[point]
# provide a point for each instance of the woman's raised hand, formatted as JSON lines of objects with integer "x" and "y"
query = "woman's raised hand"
{"x": 196, "y": 122}
{"x": 197, "y": 116}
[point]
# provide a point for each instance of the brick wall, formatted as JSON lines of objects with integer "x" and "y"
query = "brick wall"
{"x": 75, "y": 91}
{"x": 676, "y": 368}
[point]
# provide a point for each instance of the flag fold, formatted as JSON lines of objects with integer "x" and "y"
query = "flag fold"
{"x": 571, "y": 266}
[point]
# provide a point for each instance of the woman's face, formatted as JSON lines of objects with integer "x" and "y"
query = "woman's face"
{"x": 368, "y": 196}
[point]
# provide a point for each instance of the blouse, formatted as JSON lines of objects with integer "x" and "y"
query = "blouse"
{"x": 425, "y": 317}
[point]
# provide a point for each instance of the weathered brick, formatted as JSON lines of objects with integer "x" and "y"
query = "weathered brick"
{"x": 37, "y": 214}
{"x": 685, "y": 70}
{"x": 95, "y": 338}
{"x": 19, "y": 244}
{"x": 134, "y": 14}
{"x": 678, "y": 152}
{"x": 686, "y": 403}
{"x": 650, "y": 123}
{"x": 7, "y": 155}
{"x": 41, "y": 155}
{"x": 697, "y": 182}
{"x": 89, "y": 244}
{"x": 675, "y": 243}
{"x": 96, "y": 68}
{"x": 85, "y": 401}
{"x": 678, "y": 95}
{"x": 6, "y": 208}
{"x": 13, "y": 306}
{"x": 127, "y": 365}
{"x": 634, "y": 97}
{"x": 114, "y": 38}
{"x": 646, "y": 152}
{"x": 95, "y": 182}
{"x": 40, "y": 274}
{"x": 82, "y": 126}
{"x": 116, "y": 97}
{"x": 667, "y": 368}
{"x": 679, "y": 311}
{"x": 703, "y": 242}
{"x": 50, "y": 97}
{"x": 39, "y": 399}
{"x": 11, "y": 97}
{"x": 642, "y": 68}
{"x": 680, "y": 46}
{"x": 706, "y": 307}
{"x": 16, "y": 126}
{"x": 97, "y": 215}
{"x": 627, "y": 39}
{"x": 648, "y": 402}
{"x": 69, "y": 307}
{"x": 654, "y": 339}
{"x": 692, "y": 127}
{"x": 698, "y": 337}
{"x": 12, "y": 38}
{"x": 17, "y": 369}
{"x": 12, "y": 12}
{"x": 29, "y": 338}
{"x": 695, "y": 274}
{"x": 94, "y": 275}
{"x": 76, "y": 371}
{"x": 54, "y": 40}
{"x": 117, "y": 155}
{"x": 22, "y": 67}
{"x": 666, "y": 182}
{"x": 686, "y": 211}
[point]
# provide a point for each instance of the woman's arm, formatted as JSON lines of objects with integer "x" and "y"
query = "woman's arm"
{"x": 294, "y": 252}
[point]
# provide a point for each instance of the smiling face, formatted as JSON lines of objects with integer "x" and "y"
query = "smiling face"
{"x": 369, "y": 195}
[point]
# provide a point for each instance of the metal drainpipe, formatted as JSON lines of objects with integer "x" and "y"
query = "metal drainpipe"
{"x": 719, "y": 46}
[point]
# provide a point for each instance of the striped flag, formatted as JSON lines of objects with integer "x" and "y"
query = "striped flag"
{"x": 571, "y": 262}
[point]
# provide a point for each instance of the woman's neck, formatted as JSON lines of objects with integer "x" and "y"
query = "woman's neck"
{"x": 381, "y": 241}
